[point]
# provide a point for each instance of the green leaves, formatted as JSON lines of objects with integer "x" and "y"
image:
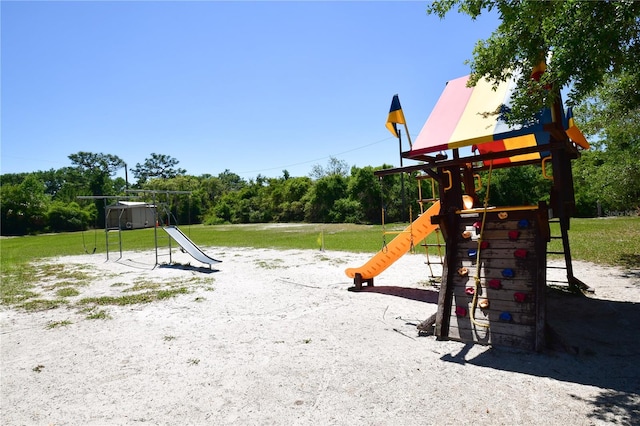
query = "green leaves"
{"x": 583, "y": 42}
{"x": 99, "y": 163}
{"x": 160, "y": 166}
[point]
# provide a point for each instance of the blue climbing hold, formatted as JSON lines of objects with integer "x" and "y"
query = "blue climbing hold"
{"x": 508, "y": 273}
{"x": 505, "y": 316}
{"x": 523, "y": 223}
{"x": 472, "y": 252}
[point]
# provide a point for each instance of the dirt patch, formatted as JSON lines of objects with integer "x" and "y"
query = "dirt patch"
{"x": 274, "y": 337}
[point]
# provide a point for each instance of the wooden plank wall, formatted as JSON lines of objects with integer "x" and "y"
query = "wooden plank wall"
{"x": 512, "y": 279}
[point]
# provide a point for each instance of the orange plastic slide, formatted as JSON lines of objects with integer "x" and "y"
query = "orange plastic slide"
{"x": 421, "y": 227}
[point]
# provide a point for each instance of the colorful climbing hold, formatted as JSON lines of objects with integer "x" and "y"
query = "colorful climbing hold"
{"x": 463, "y": 271}
{"x": 508, "y": 273}
{"x": 484, "y": 244}
{"x": 513, "y": 235}
{"x": 460, "y": 311}
{"x": 470, "y": 291}
{"x": 523, "y": 223}
{"x": 505, "y": 316}
{"x": 477, "y": 225}
{"x": 520, "y": 253}
{"x": 472, "y": 252}
{"x": 503, "y": 215}
{"x": 466, "y": 234}
{"x": 484, "y": 303}
{"x": 495, "y": 284}
{"x": 520, "y": 297}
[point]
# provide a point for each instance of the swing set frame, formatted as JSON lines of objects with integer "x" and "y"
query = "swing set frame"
{"x": 164, "y": 220}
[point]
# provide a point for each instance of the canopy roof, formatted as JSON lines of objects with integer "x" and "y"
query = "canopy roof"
{"x": 122, "y": 205}
{"x": 473, "y": 116}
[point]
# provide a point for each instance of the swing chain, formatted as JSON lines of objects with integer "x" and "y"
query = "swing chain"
{"x": 384, "y": 248}
{"x": 412, "y": 247}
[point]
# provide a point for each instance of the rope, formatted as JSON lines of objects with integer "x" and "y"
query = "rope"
{"x": 189, "y": 215}
{"x": 384, "y": 234}
{"x": 420, "y": 201}
{"x": 95, "y": 245}
{"x": 438, "y": 246}
{"x": 382, "y": 213}
{"x": 476, "y": 278}
{"x": 384, "y": 230}
{"x": 437, "y": 230}
{"x": 411, "y": 246}
{"x": 95, "y": 237}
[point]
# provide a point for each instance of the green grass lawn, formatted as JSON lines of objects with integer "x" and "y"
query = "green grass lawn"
{"x": 610, "y": 241}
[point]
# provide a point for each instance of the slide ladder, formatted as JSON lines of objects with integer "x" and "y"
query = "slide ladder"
{"x": 189, "y": 246}
{"x": 401, "y": 244}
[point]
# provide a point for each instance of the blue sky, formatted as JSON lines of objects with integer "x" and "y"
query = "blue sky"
{"x": 253, "y": 87}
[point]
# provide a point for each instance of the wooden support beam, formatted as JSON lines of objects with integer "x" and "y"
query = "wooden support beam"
{"x": 358, "y": 281}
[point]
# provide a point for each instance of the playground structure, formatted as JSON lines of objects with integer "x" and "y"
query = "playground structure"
{"x": 400, "y": 245}
{"x": 494, "y": 273}
{"x": 188, "y": 246}
{"x": 129, "y": 215}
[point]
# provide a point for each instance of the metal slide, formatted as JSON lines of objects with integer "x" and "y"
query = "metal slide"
{"x": 189, "y": 246}
{"x": 401, "y": 244}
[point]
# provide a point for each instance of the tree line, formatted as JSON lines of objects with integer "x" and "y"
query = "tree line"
{"x": 606, "y": 181}
{"x": 48, "y": 201}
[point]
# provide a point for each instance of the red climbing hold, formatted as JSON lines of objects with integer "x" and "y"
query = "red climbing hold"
{"x": 520, "y": 253}
{"x": 495, "y": 284}
{"x": 520, "y": 297}
{"x": 513, "y": 235}
{"x": 461, "y": 312}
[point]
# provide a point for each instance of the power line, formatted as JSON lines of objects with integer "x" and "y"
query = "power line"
{"x": 317, "y": 159}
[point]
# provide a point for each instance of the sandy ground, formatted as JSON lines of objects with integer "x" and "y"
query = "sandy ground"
{"x": 274, "y": 337}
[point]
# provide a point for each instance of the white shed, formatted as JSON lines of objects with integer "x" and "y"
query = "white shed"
{"x": 130, "y": 215}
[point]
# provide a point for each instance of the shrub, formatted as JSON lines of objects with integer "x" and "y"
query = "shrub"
{"x": 67, "y": 217}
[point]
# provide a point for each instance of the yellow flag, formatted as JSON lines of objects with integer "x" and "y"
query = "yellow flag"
{"x": 396, "y": 116}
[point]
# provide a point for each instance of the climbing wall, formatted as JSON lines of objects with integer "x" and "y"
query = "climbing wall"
{"x": 506, "y": 306}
